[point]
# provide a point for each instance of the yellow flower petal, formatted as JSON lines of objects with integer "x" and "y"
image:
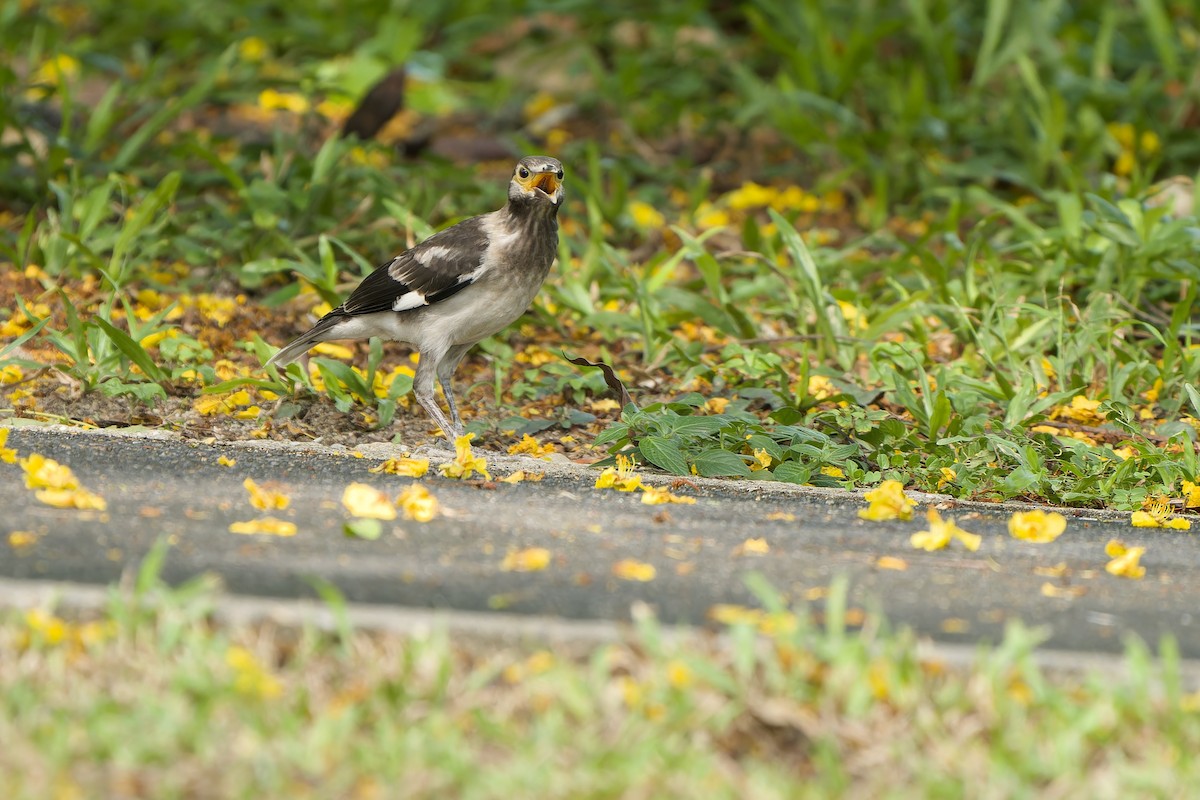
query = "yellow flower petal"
{"x": 1191, "y": 492}
{"x": 1143, "y": 519}
{"x": 7, "y": 454}
{"x": 19, "y": 540}
{"x": 407, "y": 467}
{"x": 531, "y": 559}
{"x": 417, "y": 503}
{"x": 1125, "y": 560}
{"x": 630, "y": 569}
{"x": 71, "y": 498}
{"x": 752, "y": 547}
{"x": 1036, "y": 526}
{"x": 265, "y": 497}
{"x": 655, "y": 496}
{"x": 531, "y": 446}
{"x": 367, "y": 502}
{"x": 46, "y": 473}
{"x": 521, "y": 475}
{"x": 941, "y": 533}
{"x": 226, "y": 461}
{"x": 465, "y": 462}
{"x": 887, "y": 501}
{"x": 264, "y": 525}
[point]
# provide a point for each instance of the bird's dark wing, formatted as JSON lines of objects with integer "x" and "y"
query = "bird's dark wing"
{"x": 433, "y": 270}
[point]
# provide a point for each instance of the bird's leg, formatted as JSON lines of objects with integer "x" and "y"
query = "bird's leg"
{"x": 423, "y": 389}
{"x": 445, "y": 375}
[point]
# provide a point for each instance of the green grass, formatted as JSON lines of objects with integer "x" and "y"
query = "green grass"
{"x": 153, "y": 699}
{"x": 954, "y": 244}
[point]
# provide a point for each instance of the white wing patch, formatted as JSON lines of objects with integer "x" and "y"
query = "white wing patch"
{"x": 409, "y": 300}
{"x": 430, "y": 254}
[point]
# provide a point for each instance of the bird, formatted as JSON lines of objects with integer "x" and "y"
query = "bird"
{"x": 449, "y": 292}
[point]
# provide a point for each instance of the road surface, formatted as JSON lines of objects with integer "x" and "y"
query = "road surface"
{"x": 164, "y": 487}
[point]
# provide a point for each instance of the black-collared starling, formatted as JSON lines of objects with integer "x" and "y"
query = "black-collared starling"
{"x": 456, "y": 288}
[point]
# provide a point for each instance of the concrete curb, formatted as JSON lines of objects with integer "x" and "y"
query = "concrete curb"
{"x": 499, "y": 628}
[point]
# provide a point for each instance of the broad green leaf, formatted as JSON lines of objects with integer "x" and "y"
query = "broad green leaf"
{"x": 718, "y": 463}
{"x": 663, "y": 453}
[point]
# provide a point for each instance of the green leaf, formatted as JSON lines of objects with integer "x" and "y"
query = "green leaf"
{"x": 369, "y": 529}
{"x": 663, "y": 453}
{"x": 24, "y": 337}
{"x": 132, "y": 350}
{"x": 718, "y": 463}
{"x": 1193, "y": 397}
{"x": 696, "y": 426}
{"x": 792, "y": 472}
{"x": 618, "y": 432}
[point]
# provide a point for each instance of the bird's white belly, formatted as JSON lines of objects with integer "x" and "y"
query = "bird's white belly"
{"x": 471, "y": 316}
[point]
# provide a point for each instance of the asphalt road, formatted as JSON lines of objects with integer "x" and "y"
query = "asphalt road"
{"x": 162, "y": 487}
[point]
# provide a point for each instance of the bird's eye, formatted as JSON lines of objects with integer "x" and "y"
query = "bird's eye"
{"x": 524, "y": 173}
{"x": 559, "y": 174}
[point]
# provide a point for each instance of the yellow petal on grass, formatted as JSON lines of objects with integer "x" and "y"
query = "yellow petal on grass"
{"x": 1125, "y": 560}
{"x": 367, "y": 502}
{"x": 210, "y": 404}
{"x": 654, "y": 496}
{"x": 1191, "y": 492}
{"x": 887, "y": 501}
{"x": 226, "y": 461}
{"x": 407, "y": 467}
{"x": 7, "y": 454}
{"x": 941, "y": 533}
{"x": 531, "y": 559}
{"x": 417, "y": 503}
{"x": 948, "y": 476}
{"x": 1036, "y": 526}
{"x": 265, "y": 497}
{"x": 781, "y": 516}
{"x": 46, "y": 473}
{"x": 531, "y": 446}
{"x": 251, "y": 677}
{"x": 465, "y": 462}
{"x": 630, "y": 569}
{"x": 269, "y": 526}
{"x": 891, "y": 562}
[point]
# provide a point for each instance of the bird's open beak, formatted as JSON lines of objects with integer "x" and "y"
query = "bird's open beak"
{"x": 546, "y": 181}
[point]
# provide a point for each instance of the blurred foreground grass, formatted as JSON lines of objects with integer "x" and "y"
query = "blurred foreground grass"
{"x": 153, "y": 699}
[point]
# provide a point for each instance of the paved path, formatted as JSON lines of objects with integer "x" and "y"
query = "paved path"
{"x": 163, "y": 487}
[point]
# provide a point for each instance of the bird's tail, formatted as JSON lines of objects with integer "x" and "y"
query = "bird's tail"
{"x": 323, "y": 331}
{"x": 293, "y": 350}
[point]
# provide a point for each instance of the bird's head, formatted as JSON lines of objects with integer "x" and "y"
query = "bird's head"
{"x": 537, "y": 180}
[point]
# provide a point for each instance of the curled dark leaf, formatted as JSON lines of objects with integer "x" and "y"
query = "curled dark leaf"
{"x": 610, "y": 377}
